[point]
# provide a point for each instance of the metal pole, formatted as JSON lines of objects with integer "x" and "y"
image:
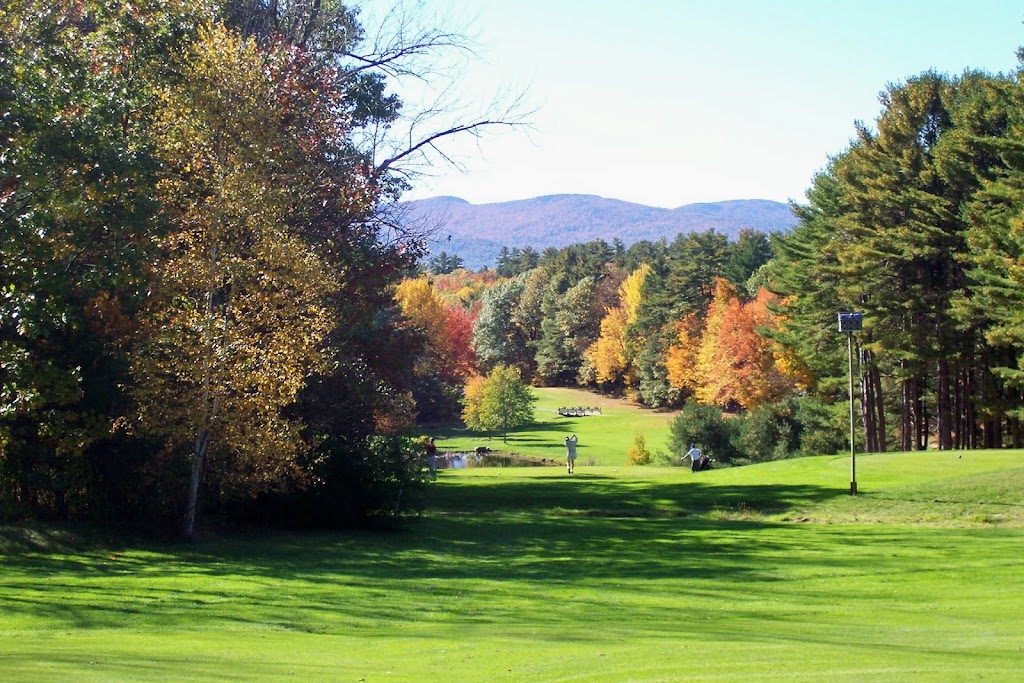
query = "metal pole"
{"x": 853, "y": 457}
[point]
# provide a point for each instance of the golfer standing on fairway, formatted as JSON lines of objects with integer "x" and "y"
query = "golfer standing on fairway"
{"x": 570, "y": 452}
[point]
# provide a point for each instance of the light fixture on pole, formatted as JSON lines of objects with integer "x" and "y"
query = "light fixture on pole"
{"x": 850, "y": 322}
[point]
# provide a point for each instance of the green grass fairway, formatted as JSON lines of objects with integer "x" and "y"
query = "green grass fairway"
{"x": 604, "y": 438}
{"x": 769, "y": 572}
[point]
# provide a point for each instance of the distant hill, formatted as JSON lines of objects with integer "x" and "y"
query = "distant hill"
{"x": 476, "y": 232}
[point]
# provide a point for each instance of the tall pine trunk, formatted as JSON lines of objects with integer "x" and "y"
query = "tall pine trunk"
{"x": 943, "y": 408}
{"x": 876, "y": 381}
{"x": 906, "y": 415}
{"x": 867, "y": 407}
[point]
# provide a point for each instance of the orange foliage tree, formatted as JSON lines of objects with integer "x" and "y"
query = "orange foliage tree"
{"x": 681, "y": 357}
{"x": 458, "y": 335}
{"x": 713, "y": 362}
{"x": 735, "y": 365}
{"x": 448, "y": 328}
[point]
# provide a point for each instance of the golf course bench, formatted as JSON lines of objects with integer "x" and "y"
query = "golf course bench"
{"x": 578, "y": 411}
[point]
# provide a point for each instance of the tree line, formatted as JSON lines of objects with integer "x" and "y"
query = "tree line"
{"x": 917, "y": 224}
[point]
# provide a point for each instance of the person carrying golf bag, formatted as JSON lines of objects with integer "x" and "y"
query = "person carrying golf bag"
{"x": 698, "y": 461}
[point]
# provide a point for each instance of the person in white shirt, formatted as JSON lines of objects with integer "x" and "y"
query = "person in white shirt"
{"x": 698, "y": 461}
{"x": 570, "y": 452}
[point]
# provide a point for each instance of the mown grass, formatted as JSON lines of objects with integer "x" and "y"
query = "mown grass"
{"x": 768, "y": 572}
{"x": 604, "y": 438}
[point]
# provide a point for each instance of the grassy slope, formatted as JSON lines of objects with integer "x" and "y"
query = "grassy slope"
{"x": 603, "y": 438}
{"x": 768, "y": 572}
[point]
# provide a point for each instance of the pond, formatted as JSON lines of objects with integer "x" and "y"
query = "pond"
{"x": 458, "y": 461}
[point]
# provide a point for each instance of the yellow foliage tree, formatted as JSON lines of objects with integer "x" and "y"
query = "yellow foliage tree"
{"x": 631, "y": 292}
{"x": 681, "y": 357}
{"x": 712, "y": 358}
{"x": 236, "y": 326}
{"x": 472, "y": 396}
{"x": 424, "y": 308}
{"x": 609, "y": 355}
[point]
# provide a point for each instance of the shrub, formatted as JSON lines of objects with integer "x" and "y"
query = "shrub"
{"x": 706, "y": 427}
{"x": 769, "y": 432}
{"x": 790, "y": 428}
{"x": 823, "y": 428}
{"x": 638, "y": 453}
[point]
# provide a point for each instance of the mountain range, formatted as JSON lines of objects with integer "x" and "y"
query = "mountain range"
{"x": 476, "y": 232}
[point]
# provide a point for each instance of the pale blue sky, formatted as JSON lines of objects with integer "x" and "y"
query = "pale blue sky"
{"x": 667, "y": 102}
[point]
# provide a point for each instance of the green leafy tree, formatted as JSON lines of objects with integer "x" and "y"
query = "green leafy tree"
{"x": 497, "y": 339}
{"x": 444, "y": 263}
{"x": 990, "y": 304}
{"x": 751, "y": 250}
{"x": 500, "y": 403}
{"x": 885, "y": 233}
{"x": 77, "y": 228}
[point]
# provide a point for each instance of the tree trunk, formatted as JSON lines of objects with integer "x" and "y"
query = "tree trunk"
{"x": 921, "y": 416}
{"x": 906, "y": 396}
{"x": 943, "y": 408}
{"x": 866, "y": 402}
{"x": 198, "y": 457}
{"x": 876, "y": 380}
{"x": 970, "y": 413}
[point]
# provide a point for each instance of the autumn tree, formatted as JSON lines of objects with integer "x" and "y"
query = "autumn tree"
{"x": 713, "y": 358}
{"x": 77, "y": 230}
{"x": 681, "y": 357}
{"x": 236, "y": 326}
{"x": 609, "y": 354}
{"x": 448, "y": 359}
{"x": 500, "y": 403}
{"x": 638, "y": 453}
{"x": 424, "y": 309}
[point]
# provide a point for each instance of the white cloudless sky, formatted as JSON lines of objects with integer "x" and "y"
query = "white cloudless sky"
{"x": 667, "y": 103}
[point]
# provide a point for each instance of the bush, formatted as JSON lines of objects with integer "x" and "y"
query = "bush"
{"x": 638, "y": 453}
{"x": 794, "y": 427}
{"x": 770, "y": 432}
{"x": 436, "y": 400}
{"x": 374, "y": 481}
{"x": 706, "y": 427}
{"x": 823, "y": 427}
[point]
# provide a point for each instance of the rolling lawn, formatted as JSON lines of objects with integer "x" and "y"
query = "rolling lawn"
{"x": 616, "y": 573}
{"x": 604, "y": 438}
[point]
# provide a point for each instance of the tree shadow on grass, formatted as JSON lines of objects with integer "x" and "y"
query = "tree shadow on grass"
{"x": 600, "y": 494}
{"x": 546, "y": 533}
{"x": 477, "y": 564}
